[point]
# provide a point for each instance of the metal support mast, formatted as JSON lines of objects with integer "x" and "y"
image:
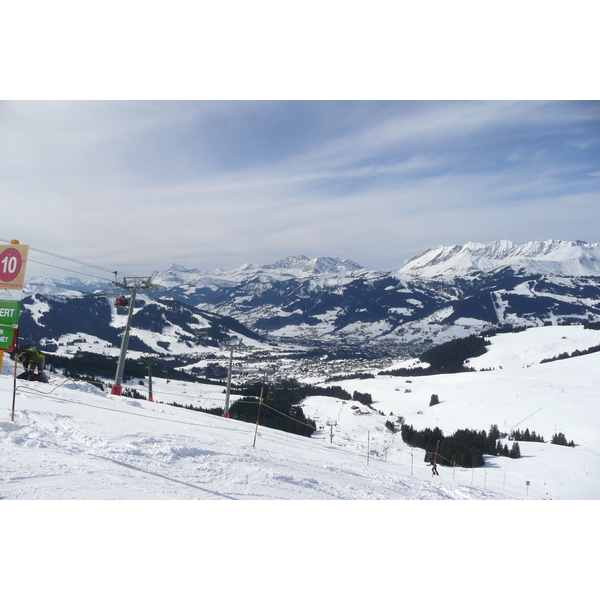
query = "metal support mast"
{"x": 149, "y": 360}
{"x": 130, "y": 284}
{"x": 231, "y": 347}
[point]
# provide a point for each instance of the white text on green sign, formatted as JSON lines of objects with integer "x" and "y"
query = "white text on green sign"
{"x": 9, "y": 312}
{"x": 7, "y": 336}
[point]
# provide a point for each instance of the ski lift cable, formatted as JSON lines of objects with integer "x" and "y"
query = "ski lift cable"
{"x": 288, "y": 416}
{"x": 70, "y": 270}
{"x": 263, "y": 434}
{"x": 81, "y": 262}
{"x": 47, "y": 394}
{"x": 67, "y": 258}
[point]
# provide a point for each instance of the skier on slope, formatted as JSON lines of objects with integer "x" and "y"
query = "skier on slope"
{"x": 433, "y": 466}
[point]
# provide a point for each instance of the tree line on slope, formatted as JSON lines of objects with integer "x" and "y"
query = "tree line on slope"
{"x": 448, "y": 357}
{"x": 279, "y": 408}
{"x": 564, "y": 355}
{"x": 466, "y": 447}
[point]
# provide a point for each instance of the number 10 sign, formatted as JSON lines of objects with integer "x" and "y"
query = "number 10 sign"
{"x": 13, "y": 259}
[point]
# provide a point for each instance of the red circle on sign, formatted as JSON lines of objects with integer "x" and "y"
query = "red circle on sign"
{"x": 10, "y": 264}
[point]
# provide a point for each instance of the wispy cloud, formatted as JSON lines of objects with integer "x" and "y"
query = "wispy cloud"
{"x": 137, "y": 185}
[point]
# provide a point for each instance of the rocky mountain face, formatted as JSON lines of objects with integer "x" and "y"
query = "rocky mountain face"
{"x": 342, "y": 309}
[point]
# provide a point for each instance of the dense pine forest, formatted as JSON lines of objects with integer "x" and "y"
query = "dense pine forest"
{"x": 465, "y": 448}
{"x": 446, "y": 358}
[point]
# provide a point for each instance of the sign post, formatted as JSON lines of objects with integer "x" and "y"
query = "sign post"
{"x": 9, "y": 320}
{"x": 13, "y": 260}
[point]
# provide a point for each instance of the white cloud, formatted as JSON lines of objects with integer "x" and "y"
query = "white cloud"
{"x": 137, "y": 186}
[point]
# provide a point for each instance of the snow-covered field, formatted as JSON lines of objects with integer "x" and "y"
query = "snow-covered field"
{"x": 70, "y": 441}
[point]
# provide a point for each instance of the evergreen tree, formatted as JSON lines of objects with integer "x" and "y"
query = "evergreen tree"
{"x": 515, "y": 451}
{"x": 434, "y": 400}
{"x": 477, "y": 458}
{"x": 363, "y": 398}
{"x": 391, "y": 426}
{"x": 560, "y": 439}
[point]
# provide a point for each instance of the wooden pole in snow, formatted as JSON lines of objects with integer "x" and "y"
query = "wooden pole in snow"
{"x": 12, "y": 415}
{"x": 257, "y": 416}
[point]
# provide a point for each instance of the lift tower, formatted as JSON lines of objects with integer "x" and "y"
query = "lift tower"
{"x": 149, "y": 360}
{"x": 230, "y": 344}
{"x": 132, "y": 285}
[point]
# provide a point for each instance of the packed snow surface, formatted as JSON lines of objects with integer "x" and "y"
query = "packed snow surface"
{"x": 69, "y": 441}
{"x": 73, "y": 441}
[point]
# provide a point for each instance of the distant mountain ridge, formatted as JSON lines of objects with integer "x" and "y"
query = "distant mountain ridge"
{"x": 571, "y": 259}
{"x": 445, "y": 293}
{"x": 292, "y": 267}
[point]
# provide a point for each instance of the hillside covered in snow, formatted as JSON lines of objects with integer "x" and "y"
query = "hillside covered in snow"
{"x": 70, "y": 440}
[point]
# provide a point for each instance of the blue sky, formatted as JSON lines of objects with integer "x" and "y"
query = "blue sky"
{"x": 138, "y": 185}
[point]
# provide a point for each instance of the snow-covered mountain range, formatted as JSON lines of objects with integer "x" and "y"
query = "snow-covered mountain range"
{"x": 442, "y": 293}
{"x": 342, "y": 308}
{"x": 291, "y": 268}
{"x": 571, "y": 259}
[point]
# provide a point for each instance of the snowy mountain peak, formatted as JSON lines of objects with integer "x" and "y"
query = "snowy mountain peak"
{"x": 176, "y": 267}
{"x": 550, "y": 257}
{"x": 320, "y": 265}
{"x": 286, "y": 268}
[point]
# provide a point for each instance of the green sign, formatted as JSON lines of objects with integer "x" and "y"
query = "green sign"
{"x": 9, "y": 312}
{"x": 7, "y": 337}
{"x": 9, "y": 319}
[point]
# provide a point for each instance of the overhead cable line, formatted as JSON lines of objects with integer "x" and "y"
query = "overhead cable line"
{"x": 68, "y": 258}
{"x": 272, "y": 435}
{"x": 126, "y": 412}
{"x": 37, "y": 262}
